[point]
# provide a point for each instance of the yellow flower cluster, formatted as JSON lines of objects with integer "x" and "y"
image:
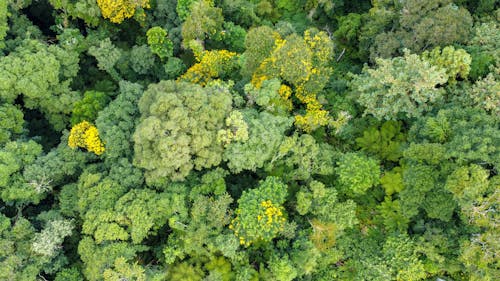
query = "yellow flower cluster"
{"x": 212, "y": 64}
{"x": 270, "y": 221}
{"x": 285, "y": 93}
{"x": 271, "y": 213}
{"x": 118, "y": 10}
{"x": 237, "y": 129}
{"x": 85, "y": 135}
{"x": 319, "y": 45}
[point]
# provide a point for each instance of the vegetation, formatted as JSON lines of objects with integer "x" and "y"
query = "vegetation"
{"x": 251, "y": 140}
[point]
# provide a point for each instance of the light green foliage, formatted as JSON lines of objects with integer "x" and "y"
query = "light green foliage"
{"x": 392, "y": 181}
{"x": 282, "y": 269}
{"x": 468, "y": 183}
{"x": 86, "y": 10}
{"x": 455, "y": 62}
{"x": 399, "y": 87}
{"x": 486, "y": 37}
{"x": 116, "y": 122}
{"x": 385, "y": 142}
{"x": 49, "y": 240}
{"x": 203, "y": 22}
{"x": 42, "y": 74}
{"x": 97, "y": 258}
{"x": 427, "y": 153}
{"x": 485, "y": 93}
{"x": 479, "y": 253}
{"x": 202, "y": 233}
{"x": 69, "y": 274}
{"x": 107, "y": 55}
{"x": 4, "y": 27}
{"x": 220, "y": 269}
{"x": 260, "y": 215}
{"x": 268, "y": 97}
{"x": 265, "y": 134}
{"x": 16, "y": 259}
{"x": 237, "y": 129}
{"x": 11, "y": 122}
{"x": 259, "y": 44}
{"x": 299, "y": 157}
{"x": 392, "y": 215}
{"x": 178, "y": 129}
{"x": 144, "y": 212}
{"x": 357, "y": 173}
{"x": 87, "y": 108}
{"x": 376, "y": 258}
{"x": 185, "y": 272}
{"x": 183, "y": 8}
{"x": 123, "y": 270}
{"x": 159, "y": 43}
{"x": 14, "y": 156}
{"x": 329, "y": 216}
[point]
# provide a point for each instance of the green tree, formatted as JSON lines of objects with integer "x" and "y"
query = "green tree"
{"x": 42, "y": 74}
{"x": 260, "y": 216}
{"x": 12, "y": 122}
{"x": 178, "y": 129}
{"x": 87, "y": 108}
{"x": 159, "y": 43}
{"x": 357, "y": 173}
{"x": 398, "y": 87}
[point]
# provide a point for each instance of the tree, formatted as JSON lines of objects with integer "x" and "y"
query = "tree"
{"x": 12, "y": 122}
{"x": 48, "y": 241}
{"x": 211, "y": 65}
{"x": 357, "y": 173}
{"x": 117, "y": 11}
{"x": 456, "y": 62}
{"x": 203, "y": 22}
{"x": 187, "y": 117}
{"x": 398, "y": 87}
{"x": 116, "y": 123}
{"x": 87, "y": 108}
{"x": 265, "y": 133}
{"x": 260, "y": 215}
{"x": 14, "y": 157}
{"x": 159, "y": 43}
{"x": 42, "y": 74}
{"x": 86, "y": 135}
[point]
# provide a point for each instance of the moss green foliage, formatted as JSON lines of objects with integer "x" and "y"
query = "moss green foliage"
{"x": 87, "y": 108}
{"x": 260, "y": 216}
{"x": 399, "y": 87}
{"x": 159, "y": 43}
{"x": 456, "y": 62}
{"x": 250, "y": 140}
{"x": 357, "y": 172}
{"x": 178, "y": 129}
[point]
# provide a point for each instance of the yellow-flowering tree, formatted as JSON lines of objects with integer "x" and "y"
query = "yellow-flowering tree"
{"x": 302, "y": 62}
{"x": 118, "y": 10}
{"x": 260, "y": 214}
{"x": 212, "y": 64}
{"x": 85, "y": 135}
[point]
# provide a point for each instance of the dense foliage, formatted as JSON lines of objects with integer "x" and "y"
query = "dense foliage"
{"x": 250, "y": 140}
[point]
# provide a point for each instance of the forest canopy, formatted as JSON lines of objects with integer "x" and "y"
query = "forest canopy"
{"x": 220, "y": 140}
